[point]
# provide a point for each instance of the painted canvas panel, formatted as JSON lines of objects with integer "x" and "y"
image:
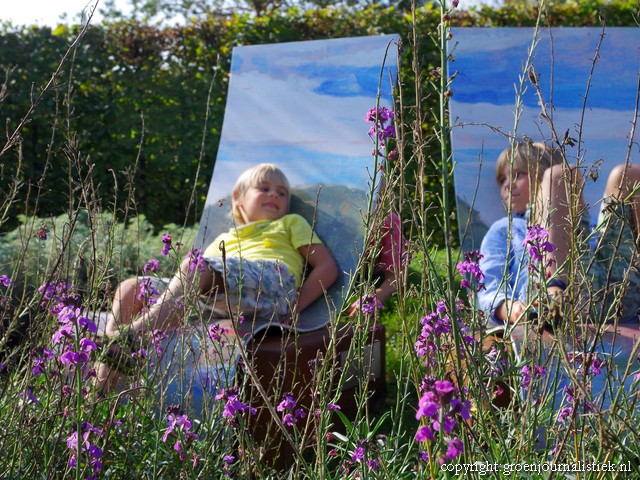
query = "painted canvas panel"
{"x": 301, "y": 106}
{"x": 592, "y": 101}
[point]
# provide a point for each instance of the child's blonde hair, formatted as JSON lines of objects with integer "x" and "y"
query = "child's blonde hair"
{"x": 264, "y": 172}
{"x": 531, "y": 157}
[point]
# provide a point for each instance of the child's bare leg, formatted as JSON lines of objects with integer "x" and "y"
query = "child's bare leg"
{"x": 125, "y": 307}
{"x": 624, "y": 183}
{"x": 106, "y": 378}
{"x": 166, "y": 313}
{"x": 559, "y": 205}
{"x": 169, "y": 309}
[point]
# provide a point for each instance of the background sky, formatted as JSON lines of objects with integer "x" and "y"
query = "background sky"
{"x": 490, "y": 63}
{"x": 47, "y": 12}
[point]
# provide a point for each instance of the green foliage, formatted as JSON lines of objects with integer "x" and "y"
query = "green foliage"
{"x": 589, "y": 13}
{"x": 65, "y": 247}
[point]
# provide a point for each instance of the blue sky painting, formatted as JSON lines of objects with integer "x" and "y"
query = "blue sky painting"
{"x": 301, "y": 105}
{"x": 593, "y": 102}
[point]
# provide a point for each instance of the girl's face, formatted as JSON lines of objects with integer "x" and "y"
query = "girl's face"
{"x": 514, "y": 189}
{"x": 268, "y": 200}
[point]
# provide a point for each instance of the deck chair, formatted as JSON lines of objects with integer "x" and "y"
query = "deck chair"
{"x": 301, "y": 106}
{"x": 489, "y": 65}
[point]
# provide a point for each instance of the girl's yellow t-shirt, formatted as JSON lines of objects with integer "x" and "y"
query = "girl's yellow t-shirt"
{"x": 268, "y": 240}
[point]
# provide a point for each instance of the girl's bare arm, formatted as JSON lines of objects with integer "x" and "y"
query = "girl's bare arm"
{"x": 323, "y": 273}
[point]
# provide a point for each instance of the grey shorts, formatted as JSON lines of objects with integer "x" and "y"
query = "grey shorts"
{"x": 258, "y": 289}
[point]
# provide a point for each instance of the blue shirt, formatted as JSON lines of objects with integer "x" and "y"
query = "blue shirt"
{"x": 504, "y": 265}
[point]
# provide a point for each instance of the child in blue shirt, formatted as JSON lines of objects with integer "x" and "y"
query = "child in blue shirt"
{"x": 534, "y": 175}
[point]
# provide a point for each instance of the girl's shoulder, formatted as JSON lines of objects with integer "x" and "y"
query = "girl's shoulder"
{"x": 293, "y": 219}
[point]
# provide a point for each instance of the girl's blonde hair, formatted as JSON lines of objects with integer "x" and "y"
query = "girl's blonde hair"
{"x": 264, "y": 172}
{"x": 531, "y": 157}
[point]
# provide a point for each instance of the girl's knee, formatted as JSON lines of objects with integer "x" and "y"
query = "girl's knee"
{"x": 559, "y": 181}
{"x": 623, "y": 178}
{"x": 201, "y": 273}
{"x": 127, "y": 287}
{"x": 185, "y": 266}
{"x": 617, "y": 174}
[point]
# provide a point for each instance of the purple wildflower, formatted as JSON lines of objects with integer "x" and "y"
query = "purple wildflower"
{"x": 384, "y": 132}
{"x": 146, "y": 291}
{"x": 379, "y": 114}
{"x": 445, "y": 426}
{"x": 287, "y": 403}
{"x": 216, "y": 333}
{"x": 564, "y": 413}
{"x": 587, "y": 363}
{"x": 369, "y": 304}
{"x": 358, "y": 454}
{"x": 373, "y": 464}
{"x": 228, "y": 460}
{"x": 87, "y": 345}
{"x": 291, "y": 414}
{"x": 151, "y": 266}
{"x": 196, "y": 262}
{"x": 29, "y": 395}
{"x": 439, "y": 409}
{"x": 454, "y": 449}
{"x": 167, "y": 238}
{"x": 444, "y": 389}
{"x": 233, "y": 405}
{"x": 5, "y": 281}
{"x": 41, "y": 355}
{"x": 179, "y": 426}
{"x": 425, "y": 434}
{"x": 433, "y": 325}
{"x": 428, "y": 405}
{"x": 64, "y": 332}
{"x": 288, "y": 419}
{"x": 461, "y": 408}
{"x": 471, "y": 268}
{"x": 529, "y": 374}
{"x": 78, "y": 443}
{"x": 536, "y": 240}
{"x": 157, "y": 337}
{"x": 174, "y": 422}
{"x": 57, "y": 295}
{"x": 73, "y": 358}
{"x": 87, "y": 325}
{"x": 380, "y": 130}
